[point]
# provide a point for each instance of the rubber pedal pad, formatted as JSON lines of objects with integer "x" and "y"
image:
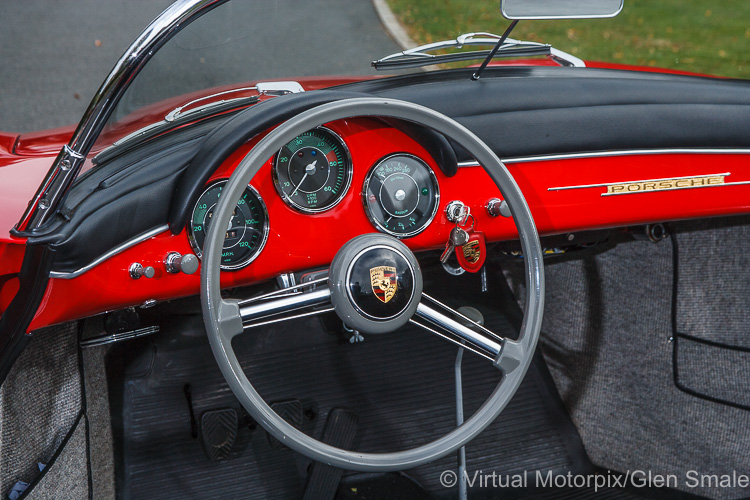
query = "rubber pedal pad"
{"x": 290, "y": 410}
{"x": 339, "y": 431}
{"x": 218, "y": 432}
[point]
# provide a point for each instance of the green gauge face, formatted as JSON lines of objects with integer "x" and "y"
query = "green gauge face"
{"x": 246, "y": 232}
{"x": 313, "y": 171}
{"x": 401, "y": 195}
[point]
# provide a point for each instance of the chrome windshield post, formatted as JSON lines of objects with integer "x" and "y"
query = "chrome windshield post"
{"x": 69, "y": 161}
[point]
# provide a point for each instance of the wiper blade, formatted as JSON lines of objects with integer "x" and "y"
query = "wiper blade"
{"x": 420, "y": 56}
{"x": 191, "y": 112}
{"x": 237, "y": 101}
{"x": 179, "y": 116}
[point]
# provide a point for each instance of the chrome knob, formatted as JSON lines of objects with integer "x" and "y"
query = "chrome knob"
{"x": 497, "y": 207}
{"x": 137, "y": 270}
{"x": 176, "y": 262}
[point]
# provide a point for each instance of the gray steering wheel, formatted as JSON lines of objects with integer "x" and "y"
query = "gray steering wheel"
{"x": 224, "y": 318}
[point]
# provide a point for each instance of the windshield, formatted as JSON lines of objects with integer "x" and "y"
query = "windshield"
{"x": 245, "y": 41}
{"x": 47, "y": 80}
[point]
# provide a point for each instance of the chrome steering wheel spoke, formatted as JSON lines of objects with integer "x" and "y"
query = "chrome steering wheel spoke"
{"x": 449, "y": 324}
{"x": 297, "y": 301}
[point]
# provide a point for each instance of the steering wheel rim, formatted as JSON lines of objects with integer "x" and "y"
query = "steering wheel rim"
{"x": 223, "y": 321}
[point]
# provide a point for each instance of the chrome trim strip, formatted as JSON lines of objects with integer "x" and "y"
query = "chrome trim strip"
{"x": 584, "y": 186}
{"x": 124, "y": 246}
{"x": 119, "y": 337}
{"x": 141, "y": 131}
{"x": 626, "y": 152}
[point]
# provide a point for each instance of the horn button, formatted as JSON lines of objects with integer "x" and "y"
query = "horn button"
{"x": 380, "y": 283}
{"x": 375, "y": 283}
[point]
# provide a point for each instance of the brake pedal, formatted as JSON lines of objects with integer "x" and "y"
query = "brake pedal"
{"x": 218, "y": 431}
{"x": 291, "y": 411}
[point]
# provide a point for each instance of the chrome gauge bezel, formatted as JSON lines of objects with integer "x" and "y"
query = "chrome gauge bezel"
{"x": 266, "y": 228}
{"x": 436, "y": 196}
{"x": 344, "y": 190}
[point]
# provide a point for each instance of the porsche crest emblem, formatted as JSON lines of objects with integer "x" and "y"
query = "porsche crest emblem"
{"x": 472, "y": 252}
{"x": 383, "y": 281}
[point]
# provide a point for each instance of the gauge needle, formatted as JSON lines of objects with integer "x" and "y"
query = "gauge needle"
{"x": 310, "y": 169}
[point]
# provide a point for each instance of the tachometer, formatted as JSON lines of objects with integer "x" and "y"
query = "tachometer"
{"x": 401, "y": 195}
{"x": 313, "y": 171}
{"x": 246, "y": 232}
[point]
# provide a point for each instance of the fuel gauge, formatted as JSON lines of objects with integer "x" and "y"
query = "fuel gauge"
{"x": 401, "y": 195}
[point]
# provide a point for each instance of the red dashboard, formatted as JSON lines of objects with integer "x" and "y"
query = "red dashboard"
{"x": 565, "y": 194}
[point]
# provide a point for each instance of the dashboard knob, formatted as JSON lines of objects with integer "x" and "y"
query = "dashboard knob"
{"x": 137, "y": 270}
{"x": 497, "y": 207}
{"x": 175, "y": 262}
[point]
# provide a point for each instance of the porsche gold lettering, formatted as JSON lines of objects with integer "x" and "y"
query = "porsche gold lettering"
{"x": 665, "y": 184}
{"x": 652, "y": 185}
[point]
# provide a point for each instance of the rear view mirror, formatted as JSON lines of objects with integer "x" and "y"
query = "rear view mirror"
{"x": 560, "y": 9}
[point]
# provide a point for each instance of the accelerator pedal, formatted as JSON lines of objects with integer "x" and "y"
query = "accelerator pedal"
{"x": 339, "y": 431}
{"x": 218, "y": 431}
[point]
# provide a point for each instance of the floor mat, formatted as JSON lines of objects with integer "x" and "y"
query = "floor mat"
{"x": 400, "y": 385}
{"x": 607, "y": 328}
{"x": 39, "y": 403}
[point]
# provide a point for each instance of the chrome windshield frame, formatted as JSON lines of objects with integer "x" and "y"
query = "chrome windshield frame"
{"x": 70, "y": 160}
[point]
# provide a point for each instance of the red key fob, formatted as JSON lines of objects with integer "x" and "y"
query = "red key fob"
{"x": 471, "y": 256}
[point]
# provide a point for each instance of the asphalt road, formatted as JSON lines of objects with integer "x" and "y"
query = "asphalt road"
{"x": 54, "y": 55}
{"x": 50, "y": 61}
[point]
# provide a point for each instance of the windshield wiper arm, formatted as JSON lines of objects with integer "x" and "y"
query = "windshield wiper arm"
{"x": 178, "y": 111}
{"x": 420, "y": 56}
{"x": 189, "y": 112}
{"x": 179, "y": 116}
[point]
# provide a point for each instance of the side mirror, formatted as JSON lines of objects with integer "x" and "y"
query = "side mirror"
{"x": 560, "y": 9}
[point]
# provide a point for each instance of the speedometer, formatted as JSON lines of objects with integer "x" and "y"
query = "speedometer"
{"x": 313, "y": 171}
{"x": 246, "y": 232}
{"x": 401, "y": 195}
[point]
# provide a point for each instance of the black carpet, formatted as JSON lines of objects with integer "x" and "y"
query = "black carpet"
{"x": 400, "y": 386}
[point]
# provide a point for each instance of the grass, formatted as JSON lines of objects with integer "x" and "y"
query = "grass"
{"x": 687, "y": 35}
